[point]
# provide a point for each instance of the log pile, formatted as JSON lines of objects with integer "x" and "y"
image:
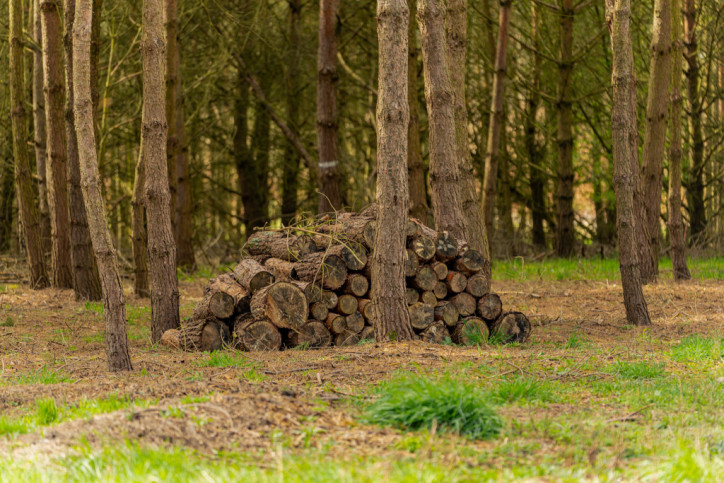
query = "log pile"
{"x": 310, "y": 287}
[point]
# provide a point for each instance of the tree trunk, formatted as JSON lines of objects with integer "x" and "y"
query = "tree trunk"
{"x": 695, "y": 187}
{"x": 161, "y": 246}
{"x": 415, "y": 165}
{"x": 330, "y": 198}
{"x": 113, "y": 299}
{"x": 290, "y": 169}
{"x": 625, "y": 164}
{"x": 138, "y": 228}
{"x": 496, "y": 119}
{"x": 39, "y": 133}
{"x": 652, "y": 159}
{"x": 86, "y": 280}
{"x": 392, "y": 321}
{"x": 7, "y": 198}
{"x": 535, "y": 155}
{"x": 676, "y": 226}
{"x": 29, "y": 217}
{"x": 57, "y": 168}
{"x": 565, "y": 234}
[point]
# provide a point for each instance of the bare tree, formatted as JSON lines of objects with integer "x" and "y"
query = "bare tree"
{"x": 113, "y": 299}
{"x": 161, "y": 246}
{"x": 392, "y": 319}
{"x": 29, "y": 217}
{"x": 625, "y": 158}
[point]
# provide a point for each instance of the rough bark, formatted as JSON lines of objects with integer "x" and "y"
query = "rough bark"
{"x": 161, "y": 245}
{"x": 252, "y": 275}
{"x": 57, "y": 163}
{"x": 327, "y": 270}
{"x": 173, "y": 95}
{"x": 29, "y": 216}
{"x": 113, "y": 299}
{"x": 496, "y": 118}
{"x": 336, "y": 323}
{"x": 223, "y": 298}
{"x": 625, "y": 164}
{"x": 39, "y": 132}
{"x": 535, "y": 154}
{"x": 290, "y": 168}
{"x": 676, "y": 226}
{"x": 86, "y": 280}
{"x": 470, "y": 262}
{"x": 412, "y": 264}
{"x": 279, "y": 245}
{"x": 392, "y": 320}
{"x": 139, "y": 236}
{"x": 330, "y": 196}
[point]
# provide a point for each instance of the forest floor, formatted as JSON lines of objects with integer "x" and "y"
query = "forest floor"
{"x": 588, "y": 397}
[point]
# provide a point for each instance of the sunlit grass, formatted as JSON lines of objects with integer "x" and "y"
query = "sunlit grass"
{"x": 44, "y": 375}
{"x": 637, "y": 370}
{"x": 698, "y": 348}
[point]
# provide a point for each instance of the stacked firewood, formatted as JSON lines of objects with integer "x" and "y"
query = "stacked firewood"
{"x": 310, "y": 287}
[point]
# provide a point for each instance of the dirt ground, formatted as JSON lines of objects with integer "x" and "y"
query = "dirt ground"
{"x": 279, "y": 393}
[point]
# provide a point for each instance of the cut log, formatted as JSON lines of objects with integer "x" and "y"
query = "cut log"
{"x": 318, "y": 311}
{"x": 252, "y": 275}
{"x": 465, "y": 303}
{"x": 456, "y": 282}
{"x": 440, "y": 270}
{"x": 194, "y": 336}
{"x": 428, "y": 298}
{"x": 477, "y": 285}
{"x": 446, "y": 247}
{"x": 355, "y": 322}
{"x": 329, "y": 270}
{"x": 370, "y": 232}
{"x": 440, "y": 290}
{"x": 447, "y": 312}
{"x": 366, "y": 308}
{"x": 422, "y": 246}
{"x": 214, "y": 335}
{"x": 358, "y": 228}
{"x": 256, "y": 335}
{"x": 312, "y": 334}
{"x": 282, "y": 303}
{"x": 346, "y": 304}
{"x": 171, "y": 339}
{"x": 421, "y": 315}
{"x": 282, "y": 269}
{"x": 512, "y": 327}
{"x": 412, "y": 296}
{"x": 368, "y": 333}
{"x": 279, "y": 245}
{"x": 329, "y": 299}
{"x": 425, "y": 279}
{"x": 490, "y": 307}
{"x": 336, "y": 323}
{"x": 357, "y": 285}
{"x": 412, "y": 229}
{"x": 223, "y": 298}
{"x": 353, "y": 254}
{"x": 469, "y": 262}
{"x": 346, "y": 338}
{"x": 436, "y": 333}
{"x": 471, "y": 331}
{"x": 411, "y": 264}
{"x": 312, "y": 291}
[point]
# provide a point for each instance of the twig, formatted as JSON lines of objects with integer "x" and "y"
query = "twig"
{"x": 630, "y": 416}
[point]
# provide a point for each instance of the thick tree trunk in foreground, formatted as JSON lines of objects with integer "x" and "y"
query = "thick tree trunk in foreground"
{"x": 330, "y": 197}
{"x": 496, "y": 119}
{"x": 161, "y": 246}
{"x": 676, "y": 226}
{"x": 652, "y": 158}
{"x": 29, "y": 217}
{"x": 113, "y": 299}
{"x": 39, "y": 132}
{"x": 57, "y": 168}
{"x": 625, "y": 164}
{"x": 392, "y": 320}
{"x": 86, "y": 280}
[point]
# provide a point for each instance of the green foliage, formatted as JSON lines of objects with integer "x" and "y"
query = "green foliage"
{"x": 224, "y": 359}
{"x": 574, "y": 341}
{"x": 44, "y": 375}
{"x": 637, "y": 370}
{"x": 446, "y": 404}
{"x": 96, "y": 307}
{"x": 8, "y": 322}
{"x": 698, "y": 348}
{"x": 522, "y": 389}
{"x": 475, "y": 335}
{"x": 46, "y": 411}
{"x": 12, "y": 426}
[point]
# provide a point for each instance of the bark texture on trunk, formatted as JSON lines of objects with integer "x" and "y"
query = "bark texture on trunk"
{"x": 496, "y": 119}
{"x": 161, "y": 246}
{"x": 39, "y": 132}
{"x": 535, "y": 154}
{"x": 29, "y": 216}
{"x": 139, "y": 235}
{"x": 86, "y": 280}
{"x": 625, "y": 162}
{"x": 676, "y": 225}
{"x": 57, "y": 164}
{"x": 392, "y": 320}
{"x": 652, "y": 158}
{"x": 330, "y": 197}
{"x": 173, "y": 98}
{"x": 113, "y": 299}
{"x": 290, "y": 169}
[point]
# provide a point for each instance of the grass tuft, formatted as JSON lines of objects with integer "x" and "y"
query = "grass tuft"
{"x": 698, "y": 348}
{"x": 637, "y": 370}
{"x": 445, "y": 404}
{"x": 8, "y": 322}
{"x": 12, "y": 426}
{"x": 44, "y": 375}
{"x": 46, "y": 411}
{"x": 522, "y": 389}
{"x": 224, "y": 359}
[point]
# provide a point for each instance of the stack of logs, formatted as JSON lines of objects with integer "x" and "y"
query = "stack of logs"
{"x": 310, "y": 287}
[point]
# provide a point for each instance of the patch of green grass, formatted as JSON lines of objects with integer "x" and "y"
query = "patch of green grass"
{"x": 8, "y": 322}
{"x": 637, "y": 370}
{"x": 574, "y": 341}
{"x": 94, "y": 339}
{"x": 96, "y": 307}
{"x": 224, "y": 359}
{"x": 12, "y": 426}
{"x": 475, "y": 335}
{"x": 522, "y": 389}
{"x": 446, "y": 404}
{"x": 195, "y": 399}
{"x": 698, "y": 348}
{"x": 46, "y": 411}
{"x": 138, "y": 314}
{"x": 44, "y": 375}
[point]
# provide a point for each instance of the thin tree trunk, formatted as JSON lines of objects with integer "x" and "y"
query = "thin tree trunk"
{"x": 113, "y": 299}
{"x": 565, "y": 234}
{"x": 138, "y": 230}
{"x": 392, "y": 319}
{"x": 330, "y": 197}
{"x": 7, "y": 199}
{"x": 652, "y": 159}
{"x": 29, "y": 216}
{"x": 496, "y": 119}
{"x": 415, "y": 166}
{"x": 57, "y": 168}
{"x": 695, "y": 186}
{"x": 95, "y": 51}
{"x": 39, "y": 132}
{"x": 256, "y": 199}
{"x": 86, "y": 280}
{"x": 290, "y": 175}
{"x": 676, "y": 226}
{"x": 625, "y": 163}
{"x": 161, "y": 246}
{"x": 535, "y": 158}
